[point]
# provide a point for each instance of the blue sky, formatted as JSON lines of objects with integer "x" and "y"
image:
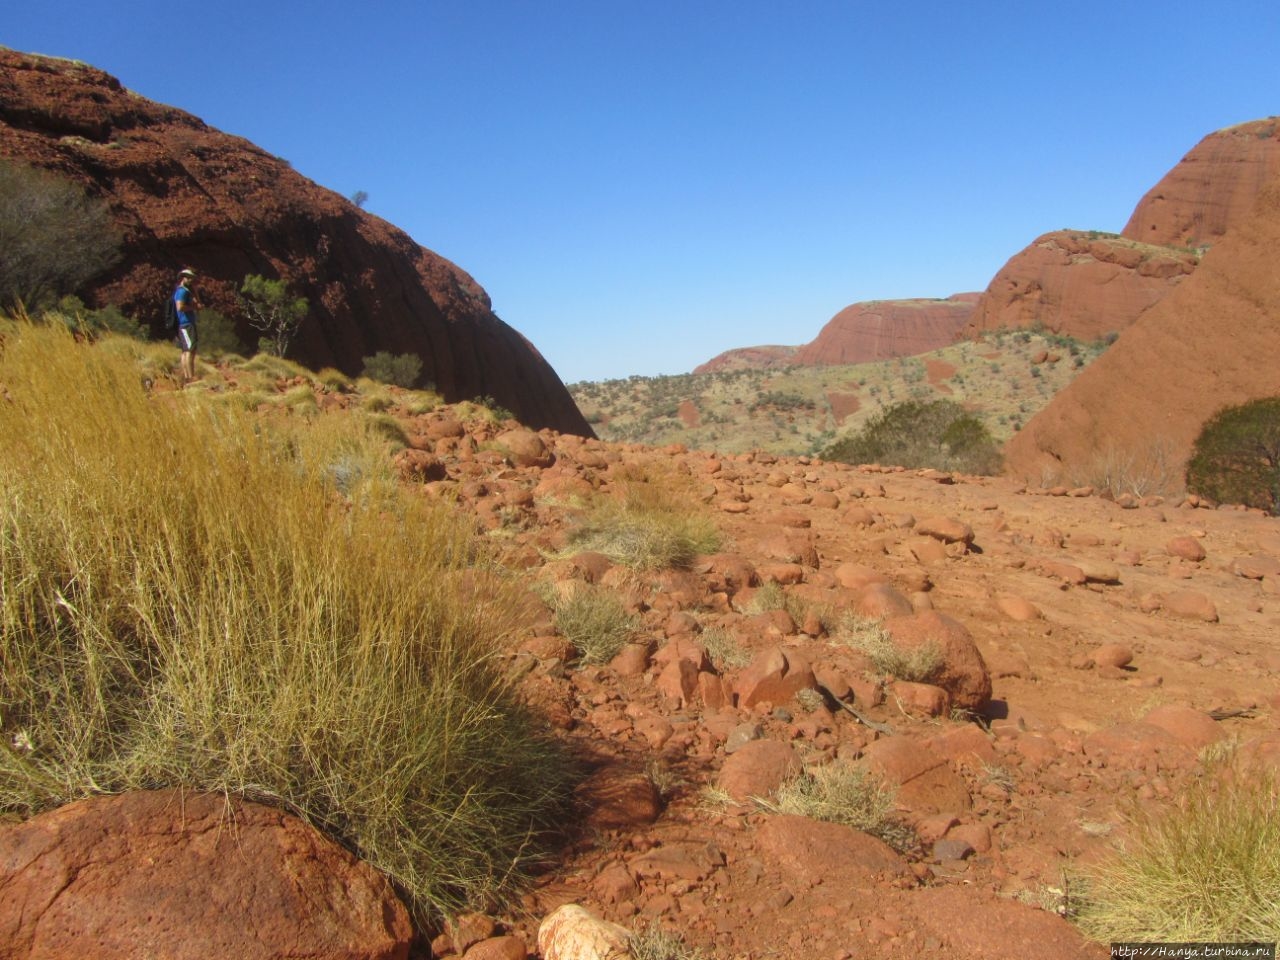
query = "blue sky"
{"x": 640, "y": 186}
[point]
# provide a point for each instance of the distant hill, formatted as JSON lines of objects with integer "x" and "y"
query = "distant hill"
{"x": 185, "y": 194}
{"x": 862, "y": 333}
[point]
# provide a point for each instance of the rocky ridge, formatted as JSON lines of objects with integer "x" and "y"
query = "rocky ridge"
{"x": 185, "y": 194}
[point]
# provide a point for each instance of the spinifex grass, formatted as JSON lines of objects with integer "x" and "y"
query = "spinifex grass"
{"x": 650, "y": 522}
{"x": 1206, "y": 870}
{"x": 189, "y": 598}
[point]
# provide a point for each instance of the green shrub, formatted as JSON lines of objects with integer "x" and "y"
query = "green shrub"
{"x": 402, "y": 370}
{"x": 916, "y": 434}
{"x": 1206, "y": 871}
{"x": 1236, "y": 457}
{"x": 218, "y": 335}
{"x": 191, "y": 597}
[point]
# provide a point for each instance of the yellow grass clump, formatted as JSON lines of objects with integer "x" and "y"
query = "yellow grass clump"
{"x": 189, "y": 596}
{"x": 1207, "y": 870}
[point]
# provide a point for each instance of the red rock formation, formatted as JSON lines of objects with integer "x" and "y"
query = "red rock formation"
{"x": 185, "y": 194}
{"x": 1211, "y": 188}
{"x": 749, "y": 358}
{"x": 885, "y": 329}
{"x": 1211, "y": 343}
{"x": 1083, "y": 285}
{"x": 189, "y": 875}
{"x": 860, "y": 333}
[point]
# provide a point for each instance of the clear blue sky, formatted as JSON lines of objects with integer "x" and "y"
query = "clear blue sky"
{"x": 640, "y": 186}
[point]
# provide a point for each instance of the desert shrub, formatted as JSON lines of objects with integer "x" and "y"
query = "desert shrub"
{"x": 218, "y": 335}
{"x": 388, "y": 428}
{"x": 595, "y": 622}
{"x": 648, "y": 524}
{"x": 109, "y": 319}
{"x": 915, "y": 434}
{"x": 53, "y": 237}
{"x": 724, "y": 649}
{"x": 655, "y": 942}
{"x": 919, "y": 664}
{"x": 402, "y": 370}
{"x": 328, "y": 644}
{"x": 841, "y": 792}
{"x": 334, "y": 379}
{"x": 1206, "y": 871}
{"x": 1236, "y": 457}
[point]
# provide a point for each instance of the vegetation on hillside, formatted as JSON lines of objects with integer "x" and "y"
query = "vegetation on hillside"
{"x": 191, "y": 595}
{"x": 1003, "y": 379}
{"x": 916, "y": 434}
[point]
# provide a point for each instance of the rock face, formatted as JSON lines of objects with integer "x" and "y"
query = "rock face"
{"x": 1083, "y": 285}
{"x": 1212, "y": 187}
{"x": 861, "y": 333}
{"x": 1211, "y": 343}
{"x": 168, "y": 874}
{"x": 1087, "y": 285}
{"x": 885, "y": 329}
{"x": 184, "y": 194}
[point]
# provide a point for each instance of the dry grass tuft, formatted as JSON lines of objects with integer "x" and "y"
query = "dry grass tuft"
{"x": 649, "y": 524}
{"x": 1206, "y": 871}
{"x": 190, "y": 595}
{"x": 918, "y": 664}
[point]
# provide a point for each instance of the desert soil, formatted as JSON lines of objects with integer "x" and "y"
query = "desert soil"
{"x": 1055, "y": 588}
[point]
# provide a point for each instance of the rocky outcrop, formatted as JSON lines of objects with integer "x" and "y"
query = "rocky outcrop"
{"x": 885, "y": 329}
{"x": 749, "y": 358}
{"x": 1087, "y": 285}
{"x": 188, "y": 875}
{"x": 862, "y": 333}
{"x": 1211, "y": 343}
{"x": 185, "y": 194}
{"x": 1083, "y": 285}
{"x": 1212, "y": 187}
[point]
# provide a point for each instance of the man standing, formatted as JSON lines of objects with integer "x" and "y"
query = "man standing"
{"x": 184, "y": 301}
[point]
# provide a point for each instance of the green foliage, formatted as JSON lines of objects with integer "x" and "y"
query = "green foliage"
{"x": 1236, "y": 457}
{"x": 272, "y": 310}
{"x": 108, "y": 319}
{"x": 218, "y": 335}
{"x": 915, "y": 434}
{"x": 402, "y": 370}
{"x": 300, "y": 632}
{"x": 53, "y": 237}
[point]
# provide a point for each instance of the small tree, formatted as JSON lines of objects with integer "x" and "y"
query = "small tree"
{"x": 273, "y": 311}
{"x": 360, "y": 198}
{"x": 1236, "y": 458}
{"x": 53, "y": 237}
{"x": 402, "y": 370}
